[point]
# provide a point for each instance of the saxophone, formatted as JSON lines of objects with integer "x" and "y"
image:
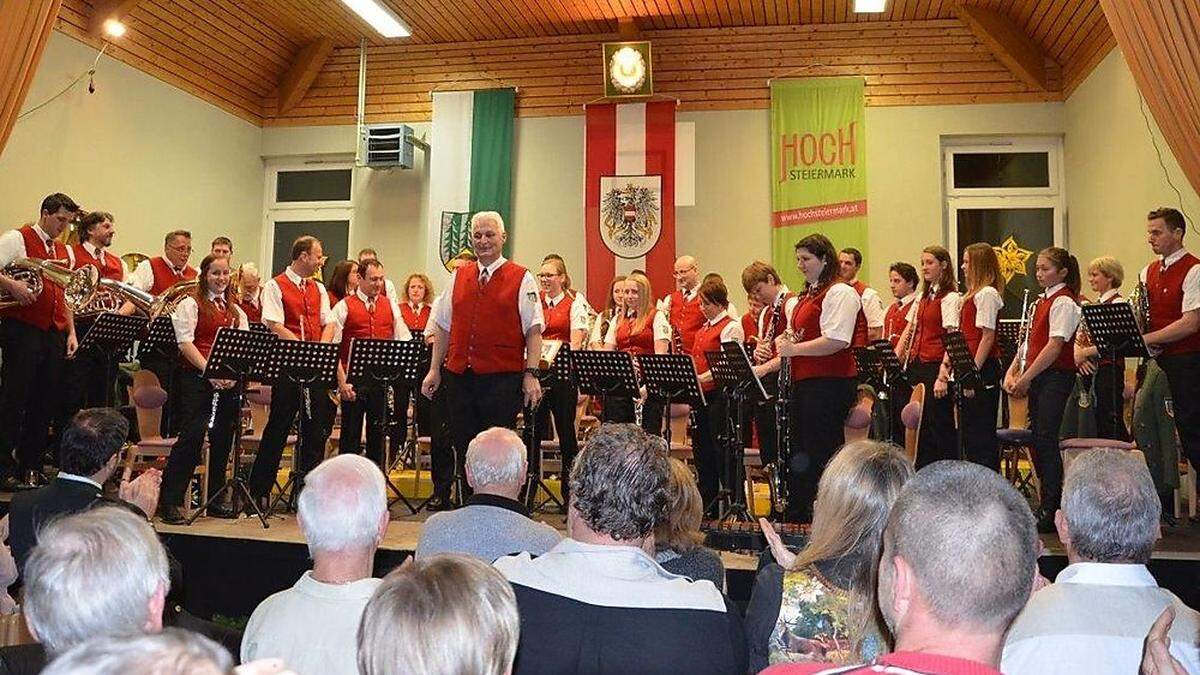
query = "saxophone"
{"x": 778, "y": 475}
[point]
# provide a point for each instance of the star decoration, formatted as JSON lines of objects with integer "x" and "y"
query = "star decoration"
{"x": 1012, "y": 258}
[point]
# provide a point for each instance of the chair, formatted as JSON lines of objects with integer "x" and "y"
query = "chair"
{"x": 1016, "y": 445}
{"x": 1070, "y": 448}
{"x": 858, "y": 420}
{"x": 1186, "y": 490}
{"x": 152, "y": 450}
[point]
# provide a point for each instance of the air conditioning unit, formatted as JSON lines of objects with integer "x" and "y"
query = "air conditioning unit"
{"x": 387, "y": 146}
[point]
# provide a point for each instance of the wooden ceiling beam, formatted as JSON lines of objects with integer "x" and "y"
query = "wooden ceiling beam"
{"x": 296, "y": 80}
{"x": 109, "y": 9}
{"x": 1011, "y": 45}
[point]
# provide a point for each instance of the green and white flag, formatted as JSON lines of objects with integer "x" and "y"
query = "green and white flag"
{"x": 470, "y": 170}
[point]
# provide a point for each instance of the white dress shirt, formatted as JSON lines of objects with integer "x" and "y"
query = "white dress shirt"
{"x": 1191, "y": 281}
{"x": 839, "y": 313}
{"x": 662, "y": 330}
{"x": 99, "y": 254}
{"x": 337, "y": 317}
{"x": 1104, "y": 297}
{"x": 142, "y": 276}
{"x": 272, "y": 298}
{"x": 528, "y": 299}
{"x": 579, "y": 309}
{"x": 390, "y": 290}
{"x": 951, "y": 309}
{"x": 187, "y": 313}
{"x": 873, "y": 309}
{"x": 1093, "y": 619}
{"x": 1064, "y": 314}
{"x": 732, "y": 332}
{"x": 12, "y": 245}
{"x": 988, "y": 304}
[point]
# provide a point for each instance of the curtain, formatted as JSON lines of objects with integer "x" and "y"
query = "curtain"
{"x": 24, "y": 30}
{"x": 1161, "y": 42}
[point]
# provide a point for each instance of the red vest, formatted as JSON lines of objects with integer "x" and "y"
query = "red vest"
{"x": 1165, "y": 290}
{"x": 360, "y": 323}
{"x": 207, "y": 325}
{"x": 973, "y": 334}
{"x": 415, "y": 320}
{"x": 638, "y": 343}
{"x": 750, "y": 327}
{"x": 1039, "y": 333}
{"x": 111, "y": 268}
{"x": 485, "y": 324}
{"x": 301, "y": 308}
{"x": 929, "y": 329}
{"x": 895, "y": 321}
{"x": 164, "y": 274}
{"x": 558, "y": 318}
{"x": 686, "y": 318}
{"x": 708, "y": 339}
{"x": 860, "y": 323}
{"x": 253, "y": 311}
{"x": 50, "y": 308}
{"x": 806, "y": 323}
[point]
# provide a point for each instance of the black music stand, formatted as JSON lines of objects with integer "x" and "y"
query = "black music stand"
{"x": 1116, "y": 334}
{"x": 259, "y": 327}
{"x": 733, "y": 373}
{"x": 305, "y": 365}
{"x": 672, "y": 378}
{"x": 111, "y": 335}
{"x": 375, "y": 363}
{"x": 603, "y": 374}
{"x": 891, "y": 379}
{"x": 1008, "y": 332}
{"x": 966, "y": 376}
{"x": 237, "y": 355}
{"x": 557, "y": 374}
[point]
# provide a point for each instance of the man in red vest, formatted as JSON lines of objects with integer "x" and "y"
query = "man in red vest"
{"x": 682, "y": 307}
{"x": 36, "y": 337}
{"x": 488, "y": 329}
{"x": 872, "y": 314}
{"x": 294, "y": 307}
{"x": 1173, "y": 288}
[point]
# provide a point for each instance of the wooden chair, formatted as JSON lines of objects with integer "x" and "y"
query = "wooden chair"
{"x": 152, "y": 450}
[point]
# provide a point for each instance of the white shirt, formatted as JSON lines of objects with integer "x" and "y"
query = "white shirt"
{"x": 988, "y": 304}
{"x": 664, "y": 305}
{"x": 272, "y": 300}
{"x": 312, "y": 626}
{"x": 98, "y": 253}
{"x": 63, "y": 475}
{"x": 732, "y": 332}
{"x": 951, "y": 309}
{"x": 1093, "y": 620}
{"x": 142, "y": 276}
{"x": 872, "y": 306}
{"x": 337, "y": 317}
{"x": 1064, "y": 314}
{"x": 389, "y": 289}
{"x": 1110, "y": 293}
{"x": 12, "y": 245}
{"x": 767, "y": 313}
{"x": 1191, "y": 281}
{"x": 662, "y": 330}
{"x": 528, "y": 299}
{"x": 187, "y": 313}
{"x": 839, "y": 313}
{"x": 579, "y": 309}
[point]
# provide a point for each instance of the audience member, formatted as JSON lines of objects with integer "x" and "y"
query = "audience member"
{"x": 820, "y": 605}
{"x": 958, "y": 563}
{"x": 441, "y": 615}
{"x": 343, "y": 513}
{"x": 597, "y": 602}
{"x": 171, "y": 652}
{"x": 493, "y": 522}
{"x": 1095, "y": 615}
{"x": 678, "y": 541}
{"x": 88, "y": 455}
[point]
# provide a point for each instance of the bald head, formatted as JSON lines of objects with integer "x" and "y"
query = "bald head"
{"x": 496, "y": 462}
{"x": 687, "y": 273}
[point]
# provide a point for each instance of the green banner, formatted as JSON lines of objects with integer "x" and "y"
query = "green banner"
{"x": 492, "y": 155}
{"x": 818, "y": 168}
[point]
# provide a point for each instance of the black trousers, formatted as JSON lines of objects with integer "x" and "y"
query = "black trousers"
{"x": 937, "y": 440}
{"x": 764, "y": 420}
{"x": 1183, "y": 379}
{"x": 475, "y": 403}
{"x": 165, "y": 367}
{"x": 422, "y": 413}
{"x": 818, "y": 410}
{"x": 978, "y": 418}
{"x": 1108, "y": 386}
{"x": 32, "y": 377}
{"x": 1048, "y": 394}
{"x": 559, "y": 404}
{"x": 900, "y": 393}
{"x": 287, "y": 401}
{"x": 87, "y": 383}
{"x": 195, "y": 408}
{"x": 621, "y": 409}
{"x": 369, "y": 402}
{"x": 709, "y": 451}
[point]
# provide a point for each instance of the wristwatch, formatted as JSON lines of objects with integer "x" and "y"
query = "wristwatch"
{"x": 532, "y": 371}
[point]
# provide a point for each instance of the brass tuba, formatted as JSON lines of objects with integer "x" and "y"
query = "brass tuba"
{"x": 78, "y": 286}
{"x": 164, "y": 303}
{"x": 1139, "y": 300}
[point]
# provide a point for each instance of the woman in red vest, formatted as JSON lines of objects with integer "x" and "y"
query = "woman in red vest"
{"x": 204, "y": 405}
{"x": 823, "y": 375}
{"x": 249, "y": 292}
{"x": 1104, "y": 378}
{"x": 712, "y": 421}
{"x": 639, "y": 330}
{"x": 981, "y": 307}
{"x": 415, "y": 311}
{"x": 921, "y": 348}
{"x": 343, "y": 282}
{"x": 1049, "y": 370}
{"x": 612, "y": 312}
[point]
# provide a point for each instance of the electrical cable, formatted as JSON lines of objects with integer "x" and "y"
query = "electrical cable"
{"x": 91, "y": 86}
{"x": 1161, "y": 163}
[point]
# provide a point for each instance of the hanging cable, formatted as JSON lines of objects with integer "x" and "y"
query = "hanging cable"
{"x": 89, "y": 73}
{"x": 1161, "y": 163}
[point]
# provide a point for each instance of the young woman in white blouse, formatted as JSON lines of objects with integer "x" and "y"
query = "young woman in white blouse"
{"x": 981, "y": 307}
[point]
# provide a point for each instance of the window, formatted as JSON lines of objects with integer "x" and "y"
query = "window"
{"x": 322, "y": 185}
{"x": 314, "y": 197}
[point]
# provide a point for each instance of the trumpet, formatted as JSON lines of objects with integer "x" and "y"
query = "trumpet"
{"x": 78, "y": 285}
{"x": 1027, "y": 311}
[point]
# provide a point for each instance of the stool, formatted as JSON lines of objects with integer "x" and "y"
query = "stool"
{"x": 1015, "y": 445}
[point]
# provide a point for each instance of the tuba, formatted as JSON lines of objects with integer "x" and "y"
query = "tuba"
{"x": 78, "y": 285}
{"x": 164, "y": 303}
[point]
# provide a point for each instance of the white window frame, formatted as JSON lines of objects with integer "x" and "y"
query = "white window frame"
{"x": 273, "y": 211}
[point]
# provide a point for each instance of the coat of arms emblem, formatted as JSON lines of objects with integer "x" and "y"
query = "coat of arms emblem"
{"x": 455, "y": 236}
{"x": 630, "y": 214}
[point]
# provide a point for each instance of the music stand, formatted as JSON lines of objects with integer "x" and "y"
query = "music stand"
{"x": 966, "y": 376}
{"x": 237, "y": 355}
{"x": 603, "y": 374}
{"x": 558, "y": 373}
{"x": 733, "y": 373}
{"x": 111, "y": 335}
{"x": 375, "y": 363}
{"x": 891, "y": 378}
{"x": 305, "y": 365}
{"x": 1116, "y": 334}
{"x": 672, "y": 378}
{"x": 870, "y": 368}
{"x": 259, "y": 327}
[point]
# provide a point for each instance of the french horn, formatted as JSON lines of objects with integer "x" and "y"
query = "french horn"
{"x": 79, "y": 286}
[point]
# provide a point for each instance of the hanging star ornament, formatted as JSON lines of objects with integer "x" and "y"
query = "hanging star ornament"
{"x": 1012, "y": 258}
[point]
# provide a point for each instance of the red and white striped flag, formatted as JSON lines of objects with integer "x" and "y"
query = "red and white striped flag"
{"x": 629, "y": 194}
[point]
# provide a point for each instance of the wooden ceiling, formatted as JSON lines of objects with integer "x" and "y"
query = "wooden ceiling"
{"x": 247, "y": 55}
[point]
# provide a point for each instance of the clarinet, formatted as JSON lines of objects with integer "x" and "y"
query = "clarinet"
{"x": 783, "y": 425}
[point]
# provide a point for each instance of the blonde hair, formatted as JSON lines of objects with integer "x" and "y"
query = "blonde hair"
{"x": 681, "y": 530}
{"x": 645, "y": 308}
{"x": 423, "y": 279}
{"x": 1109, "y": 267}
{"x": 983, "y": 268}
{"x": 854, "y": 497}
{"x": 448, "y": 614}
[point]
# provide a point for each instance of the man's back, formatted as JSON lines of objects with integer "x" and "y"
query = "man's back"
{"x": 1093, "y": 619}
{"x": 487, "y": 528}
{"x": 30, "y": 510}
{"x": 605, "y": 609}
{"x": 312, "y": 626}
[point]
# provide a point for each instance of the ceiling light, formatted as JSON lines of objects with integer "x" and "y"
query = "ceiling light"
{"x": 380, "y": 17}
{"x": 869, "y": 6}
{"x": 114, "y": 28}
